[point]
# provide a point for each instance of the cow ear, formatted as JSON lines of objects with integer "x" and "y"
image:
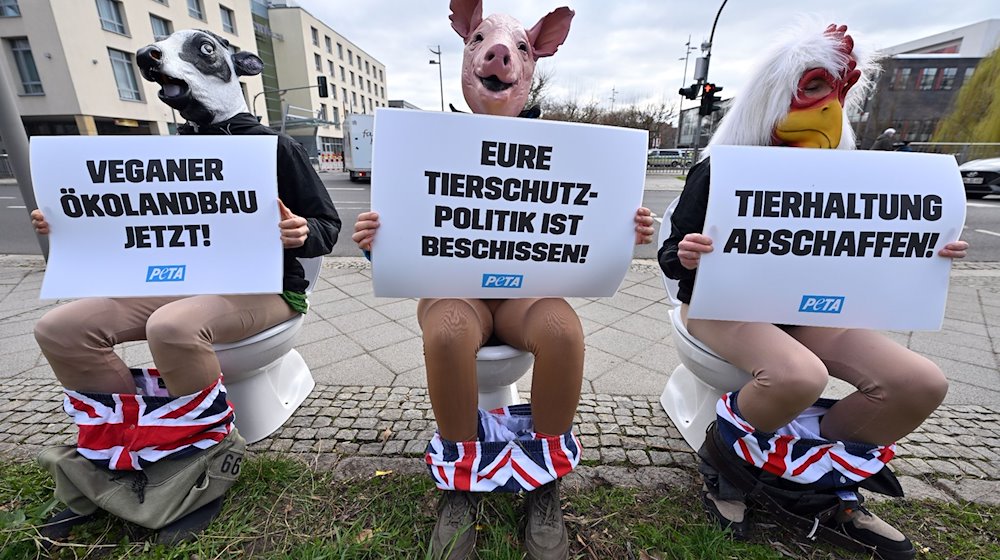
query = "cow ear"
{"x": 466, "y": 15}
{"x": 247, "y": 64}
{"x": 550, "y": 32}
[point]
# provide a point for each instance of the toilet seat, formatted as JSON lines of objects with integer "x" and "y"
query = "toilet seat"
{"x": 498, "y": 367}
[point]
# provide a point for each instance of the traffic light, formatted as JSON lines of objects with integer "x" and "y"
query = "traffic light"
{"x": 321, "y": 84}
{"x": 709, "y": 99}
{"x": 689, "y": 92}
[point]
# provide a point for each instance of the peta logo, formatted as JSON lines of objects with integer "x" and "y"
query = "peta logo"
{"x": 502, "y": 280}
{"x": 821, "y": 304}
{"x": 166, "y": 273}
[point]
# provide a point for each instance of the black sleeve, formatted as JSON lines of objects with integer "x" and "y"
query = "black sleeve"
{"x": 688, "y": 217}
{"x": 302, "y": 191}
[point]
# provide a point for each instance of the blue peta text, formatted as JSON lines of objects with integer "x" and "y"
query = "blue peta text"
{"x": 821, "y": 304}
{"x": 166, "y": 273}
{"x": 502, "y": 280}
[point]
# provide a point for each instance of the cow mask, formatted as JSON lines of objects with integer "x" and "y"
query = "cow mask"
{"x": 198, "y": 74}
{"x": 500, "y": 54}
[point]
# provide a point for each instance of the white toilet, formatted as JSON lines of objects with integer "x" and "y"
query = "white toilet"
{"x": 498, "y": 368}
{"x": 703, "y": 376}
{"x": 265, "y": 377}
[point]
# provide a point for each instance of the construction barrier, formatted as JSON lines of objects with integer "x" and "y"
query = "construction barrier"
{"x": 331, "y": 161}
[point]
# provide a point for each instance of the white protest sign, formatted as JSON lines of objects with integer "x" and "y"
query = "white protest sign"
{"x": 837, "y": 238}
{"x": 158, "y": 216}
{"x": 499, "y": 207}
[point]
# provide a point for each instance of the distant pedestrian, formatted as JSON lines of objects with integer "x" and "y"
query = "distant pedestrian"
{"x": 903, "y": 146}
{"x": 884, "y": 140}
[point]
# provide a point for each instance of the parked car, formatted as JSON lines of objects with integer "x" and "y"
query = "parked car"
{"x": 661, "y": 157}
{"x": 981, "y": 177}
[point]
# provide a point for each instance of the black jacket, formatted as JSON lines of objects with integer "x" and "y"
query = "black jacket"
{"x": 299, "y": 188}
{"x": 688, "y": 217}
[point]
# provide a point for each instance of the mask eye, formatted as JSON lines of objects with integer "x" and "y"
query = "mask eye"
{"x": 523, "y": 47}
{"x": 477, "y": 38}
{"x": 207, "y": 48}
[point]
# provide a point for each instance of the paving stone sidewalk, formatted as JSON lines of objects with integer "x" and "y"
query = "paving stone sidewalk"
{"x": 385, "y": 418}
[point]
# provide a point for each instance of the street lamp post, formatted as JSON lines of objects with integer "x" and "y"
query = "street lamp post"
{"x": 680, "y": 106}
{"x": 440, "y": 75}
{"x": 707, "y": 49}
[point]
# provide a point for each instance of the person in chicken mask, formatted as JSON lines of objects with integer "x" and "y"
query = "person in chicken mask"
{"x": 798, "y": 97}
{"x": 469, "y": 455}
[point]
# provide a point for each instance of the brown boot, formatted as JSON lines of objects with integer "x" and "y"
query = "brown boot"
{"x": 454, "y": 535}
{"x": 545, "y": 535}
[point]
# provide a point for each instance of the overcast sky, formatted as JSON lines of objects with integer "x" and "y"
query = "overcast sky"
{"x": 634, "y": 47}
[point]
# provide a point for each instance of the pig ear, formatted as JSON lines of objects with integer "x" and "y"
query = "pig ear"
{"x": 466, "y": 15}
{"x": 550, "y": 32}
{"x": 247, "y": 64}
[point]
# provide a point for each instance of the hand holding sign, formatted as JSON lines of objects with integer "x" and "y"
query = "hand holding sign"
{"x": 690, "y": 249}
{"x": 294, "y": 229}
{"x": 38, "y": 222}
{"x": 643, "y": 226}
{"x": 364, "y": 230}
{"x": 954, "y": 250}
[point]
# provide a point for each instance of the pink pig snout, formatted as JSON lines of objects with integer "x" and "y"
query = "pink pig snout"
{"x": 497, "y": 61}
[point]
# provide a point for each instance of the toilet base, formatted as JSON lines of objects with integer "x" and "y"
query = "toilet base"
{"x": 690, "y": 404}
{"x": 505, "y": 395}
{"x": 265, "y": 399}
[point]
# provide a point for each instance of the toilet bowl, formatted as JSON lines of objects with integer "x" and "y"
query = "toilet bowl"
{"x": 498, "y": 367}
{"x": 265, "y": 378}
{"x": 696, "y": 385}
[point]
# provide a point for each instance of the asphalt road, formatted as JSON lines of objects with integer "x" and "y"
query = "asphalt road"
{"x": 982, "y": 222}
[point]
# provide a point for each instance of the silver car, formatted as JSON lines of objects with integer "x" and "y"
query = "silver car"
{"x": 981, "y": 177}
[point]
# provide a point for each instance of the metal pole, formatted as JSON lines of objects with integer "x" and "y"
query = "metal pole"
{"x": 440, "y": 73}
{"x": 708, "y": 57}
{"x": 16, "y": 140}
{"x": 680, "y": 106}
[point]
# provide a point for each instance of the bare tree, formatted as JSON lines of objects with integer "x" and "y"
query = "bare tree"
{"x": 652, "y": 117}
{"x": 540, "y": 82}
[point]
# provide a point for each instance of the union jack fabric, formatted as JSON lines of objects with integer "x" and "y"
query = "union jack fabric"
{"x": 121, "y": 431}
{"x": 801, "y": 459}
{"x": 509, "y": 456}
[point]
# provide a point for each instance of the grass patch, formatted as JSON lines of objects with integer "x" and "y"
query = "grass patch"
{"x": 282, "y": 509}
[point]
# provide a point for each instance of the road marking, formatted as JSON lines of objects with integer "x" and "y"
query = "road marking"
{"x": 7, "y": 197}
{"x": 346, "y": 189}
{"x": 17, "y": 207}
{"x": 986, "y": 231}
{"x": 980, "y": 205}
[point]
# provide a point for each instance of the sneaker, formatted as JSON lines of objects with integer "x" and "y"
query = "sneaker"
{"x": 454, "y": 535}
{"x": 545, "y": 532}
{"x": 728, "y": 514}
{"x": 188, "y": 528}
{"x": 865, "y": 527}
{"x": 58, "y": 527}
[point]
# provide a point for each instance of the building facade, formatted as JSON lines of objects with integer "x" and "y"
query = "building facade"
{"x": 72, "y": 62}
{"x": 920, "y": 82}
{"x": 304, "y": 49}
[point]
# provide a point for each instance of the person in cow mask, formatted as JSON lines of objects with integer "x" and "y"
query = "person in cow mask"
{"x": 158, "y": 447}
{"x": 799, "y": 96}
{"x": 499, "y": 60}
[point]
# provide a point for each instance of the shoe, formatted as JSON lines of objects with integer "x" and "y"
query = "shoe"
{"x": 454, "y": 535}
{"x": 866, "y": 527}
{"x": 58, "y": 527}
{"x": 188, "y": 528}
{"x": 545, "y": 535}
{"x": 728, "y": 514}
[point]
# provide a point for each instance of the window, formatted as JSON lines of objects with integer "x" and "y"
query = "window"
{"x": 381, "y": 78}
{"x": 329, "y": 64}
{"x": 228, "y": 20}
{"x": 342, "y": 77}
{"x": 9, "y": 8}
{"x": 121, "y": 64}
{"x": 31, "y": 84}
{"x": 319, "y": 62}
{"x": 164, "y": 2}
{"x": 354, "y": 99}
{"x": 362, "y": 103}
{"x": 161, "y": 27}
{"x": 350, "y": 57}
{"x": 329, "y": 44}
{"x": 370, "y": 106}
{"x": 336, "y": 116}
{"x": 315, "y": 35}
{"x": 344, "y": 92}
{"x": 901, "y": 79}
{"x": 333, "y": 93}
{"x": 352, "y": 78}
{"x": 322, "y": 111}
{"x": 369, "y": 86}
{"x": 382, "y": 89}
{"x": 110, "y": 12}
{"x": 367, "y": 70}
{"x": 968, "y": 74}
{"x": 948, "y": 78}
{"x": 195, "y": 10}
{"x": 340, "y": 51}
{"x": 927, "y": 78}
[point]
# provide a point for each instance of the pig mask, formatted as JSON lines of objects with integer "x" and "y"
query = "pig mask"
{"x": 500, "y": 55}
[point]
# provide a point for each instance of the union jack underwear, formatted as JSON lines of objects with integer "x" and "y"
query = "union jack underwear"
{"x": 120, "y": 431}
{"x": 508, "y": 457}
{"x": 796, "y": 452}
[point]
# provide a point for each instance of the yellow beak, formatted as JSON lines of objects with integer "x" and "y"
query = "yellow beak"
{"x": 815, "y": 127}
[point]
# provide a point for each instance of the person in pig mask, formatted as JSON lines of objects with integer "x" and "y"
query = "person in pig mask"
{"x": 499, "y": 61}
{"x": 158, "y": 447}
